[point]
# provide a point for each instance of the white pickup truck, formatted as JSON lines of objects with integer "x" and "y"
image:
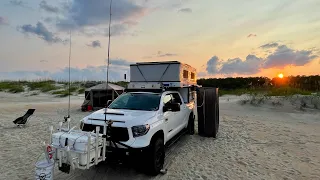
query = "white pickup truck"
{"x": 144, "y": 122}
{"x": 159, "y": 104}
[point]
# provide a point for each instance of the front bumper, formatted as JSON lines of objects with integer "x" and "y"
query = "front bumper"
{"x": 126, "y": 151}
{"x": 124, "y": 136}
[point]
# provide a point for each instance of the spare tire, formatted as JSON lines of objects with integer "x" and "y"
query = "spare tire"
{"x": 208, "y": 113}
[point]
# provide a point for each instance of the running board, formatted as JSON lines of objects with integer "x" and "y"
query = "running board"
{"x": 175, "y": 139}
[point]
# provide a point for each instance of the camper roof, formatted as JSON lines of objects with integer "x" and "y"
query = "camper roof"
{"x": 151, "y": 63}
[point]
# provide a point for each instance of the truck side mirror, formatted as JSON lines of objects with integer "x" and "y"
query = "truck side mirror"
{"x": 171, "y": 107}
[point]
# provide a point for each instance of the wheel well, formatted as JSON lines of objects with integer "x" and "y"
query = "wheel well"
{"x": 158, "y": 134}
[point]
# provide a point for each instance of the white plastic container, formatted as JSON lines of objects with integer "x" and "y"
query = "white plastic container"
{"x": 78, "y": 142}
{"x": 44, "y": 169}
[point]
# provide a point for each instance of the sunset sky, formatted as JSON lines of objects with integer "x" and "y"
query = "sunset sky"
{"x": 219, "y": 38}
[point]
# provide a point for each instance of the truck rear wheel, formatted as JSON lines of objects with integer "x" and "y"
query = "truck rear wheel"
{"x": 155, "y": 157}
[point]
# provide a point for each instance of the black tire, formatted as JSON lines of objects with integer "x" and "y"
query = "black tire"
{"x": 155, "y": 157}
{"x": 190, "y": 127}
{"x": 216, "y": 122}
{"x": 217, "y": 117}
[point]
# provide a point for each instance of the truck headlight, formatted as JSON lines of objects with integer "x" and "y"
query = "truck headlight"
{"x": 140, "y": 130}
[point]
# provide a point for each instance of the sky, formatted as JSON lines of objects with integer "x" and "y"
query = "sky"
{"x": 228, "y": 38}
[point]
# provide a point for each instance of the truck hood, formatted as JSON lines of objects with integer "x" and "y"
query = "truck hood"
{"x": 121, "y": 118}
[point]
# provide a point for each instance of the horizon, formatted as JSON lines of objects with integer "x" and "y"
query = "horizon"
{"x": 220, "y": 39}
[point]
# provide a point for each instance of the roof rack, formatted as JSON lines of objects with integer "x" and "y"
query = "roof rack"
{"x": 153, "y": 63}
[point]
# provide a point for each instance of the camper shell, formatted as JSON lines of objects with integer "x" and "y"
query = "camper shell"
{"x": 168, "y": 73}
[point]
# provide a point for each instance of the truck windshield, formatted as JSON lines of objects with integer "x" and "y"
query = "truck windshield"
{"x": 137, "y": 101}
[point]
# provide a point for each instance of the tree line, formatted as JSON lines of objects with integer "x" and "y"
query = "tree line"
{"x": 310, "y": 83}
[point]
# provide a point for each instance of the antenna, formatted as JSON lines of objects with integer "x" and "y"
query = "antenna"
{"x": 105, "y": 110}
{"x": 69, "y": 76}
{"x": 68, "y": 117}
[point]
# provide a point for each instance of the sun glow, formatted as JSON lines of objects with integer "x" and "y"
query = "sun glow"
{"x": 280, "y": 75}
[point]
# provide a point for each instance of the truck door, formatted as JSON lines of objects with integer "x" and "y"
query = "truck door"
{"x": 169, "y": 118}
{"x": 182, "y": 114}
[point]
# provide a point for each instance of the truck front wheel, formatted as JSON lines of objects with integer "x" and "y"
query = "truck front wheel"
{"x": 155, "y": 157}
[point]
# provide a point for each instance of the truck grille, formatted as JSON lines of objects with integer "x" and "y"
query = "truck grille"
{"x": 117, "y": 133}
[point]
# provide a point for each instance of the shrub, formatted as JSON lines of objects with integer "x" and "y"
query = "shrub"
{"x": 43, "y": 86}
{"x": 12, "y": 87}
{"x": 81, "y": 91}
{"x": 61, "y": 93}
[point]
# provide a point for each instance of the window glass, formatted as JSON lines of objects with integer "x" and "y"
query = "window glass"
{"x": 176, "y": 98}
{"x": 185, "y": 74}
{"x": 137, "y": 101}
{"x": 192, "y": 76}
{"x": 167, "y": 98}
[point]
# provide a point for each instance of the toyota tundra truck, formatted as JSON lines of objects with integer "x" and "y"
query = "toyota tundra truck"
{"x": 151, "y": 112}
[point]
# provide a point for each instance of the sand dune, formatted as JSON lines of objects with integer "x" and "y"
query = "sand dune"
{"x": 255, "y": 142}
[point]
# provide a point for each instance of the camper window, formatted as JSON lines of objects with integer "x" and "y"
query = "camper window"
{"x": 185, "y": 74}
{"x": 192, "y": 76}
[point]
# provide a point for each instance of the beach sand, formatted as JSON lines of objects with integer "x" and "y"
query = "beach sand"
{"x": 254, "y": 142}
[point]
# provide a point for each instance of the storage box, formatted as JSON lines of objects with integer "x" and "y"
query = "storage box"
{"x": 172, "y": 73}
{"x": 78, "y": 142}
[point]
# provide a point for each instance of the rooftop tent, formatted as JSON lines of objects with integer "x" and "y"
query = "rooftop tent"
{"x": 96, "y": 96}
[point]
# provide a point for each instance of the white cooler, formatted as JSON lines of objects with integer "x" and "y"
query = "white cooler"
{"x": 77, "y": 141}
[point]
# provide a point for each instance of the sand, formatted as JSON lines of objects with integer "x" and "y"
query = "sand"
{"x": 254, "y": 142}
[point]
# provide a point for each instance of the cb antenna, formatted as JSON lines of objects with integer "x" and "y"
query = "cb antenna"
{"x": 69, "y": 76}
{"x": 68, "y": 117}
{"x": 108, "y": 62}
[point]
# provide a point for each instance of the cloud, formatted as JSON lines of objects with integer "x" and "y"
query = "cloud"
{"x": 251, "y": 35}
{"x": 85, "y": 13}
{"x": 161, "y": 54}
{"x": 20, "y": 4}
{"x": 280, "y": 58}
{"x": 48, "y": 8}
{"x": 96, "y": 73}
{"x": 48, "y": 19}
{"x": 3, "y": 21}
{"x": 251, "y": 65}
{"x": 269, "y": 45}
{"x": 17, "y": 3}
{"x": 95, "y": 44}
{"x": 212, "y": 65}
{"x": 121, "y": 62}
{"x": 41, "y": 31}
{"x": 185, "y": 10}
{"x": 284, "y": 56}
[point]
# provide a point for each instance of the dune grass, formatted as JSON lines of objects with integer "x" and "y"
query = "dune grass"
{"x": 61, "y": 93}
{"x": 274, "y": 91}
{"x": 43, "y": 86}
{"x": 287, "y": 91}
{"x": 15, "y": 87}
{"x": 81, "y": 90}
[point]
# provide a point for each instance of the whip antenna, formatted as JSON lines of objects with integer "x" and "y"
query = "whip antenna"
{"x": 108, "y": 62}
{"x": 69, "y": 76}
{"x": 68, "y": 117}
